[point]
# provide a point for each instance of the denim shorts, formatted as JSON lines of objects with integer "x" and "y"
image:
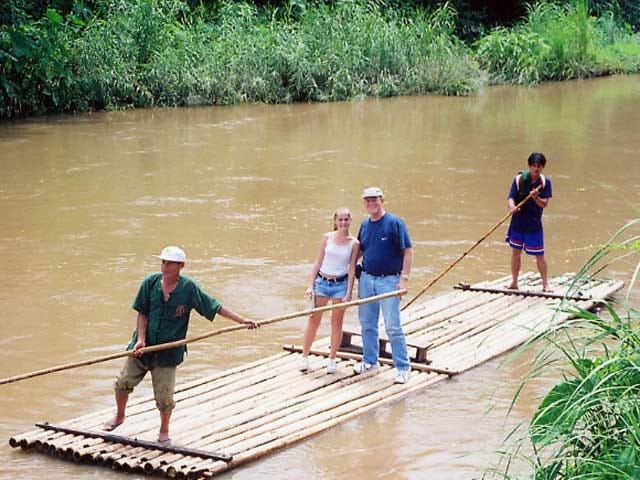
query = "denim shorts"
{"x": 325, "y": 288}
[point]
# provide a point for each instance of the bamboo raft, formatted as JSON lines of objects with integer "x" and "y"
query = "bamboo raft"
{"x": 252, "y": 410}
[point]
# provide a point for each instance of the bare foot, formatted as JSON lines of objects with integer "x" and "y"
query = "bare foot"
{"x": 547, "y": 290}
{"x": 163, "y": 437}
{"x": 511, "y": 287}
{"x": 112, "y": 424}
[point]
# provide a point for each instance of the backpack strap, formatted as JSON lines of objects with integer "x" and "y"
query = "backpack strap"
{"x": 543, "y": 180}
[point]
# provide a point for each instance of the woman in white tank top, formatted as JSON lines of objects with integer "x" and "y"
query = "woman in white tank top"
{"x": 332, "y": 278}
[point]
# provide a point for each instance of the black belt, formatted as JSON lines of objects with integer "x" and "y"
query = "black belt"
{"x": 382, "y": 274}
{"x": 341, "y": 278}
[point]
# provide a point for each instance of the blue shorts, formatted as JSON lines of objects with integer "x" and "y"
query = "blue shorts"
{"x": 531, "y": 242}
{"x": 327, "y": 288}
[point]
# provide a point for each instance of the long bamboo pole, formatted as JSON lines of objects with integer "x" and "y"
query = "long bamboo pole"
{"x": 164, "y": 346}
{"x": 468, "y": 250}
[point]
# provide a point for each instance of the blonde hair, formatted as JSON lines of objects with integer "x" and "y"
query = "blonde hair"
{"x": 338, "y": 211}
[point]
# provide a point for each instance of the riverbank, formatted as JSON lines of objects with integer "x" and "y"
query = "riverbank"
{"x": 163, "y": 53}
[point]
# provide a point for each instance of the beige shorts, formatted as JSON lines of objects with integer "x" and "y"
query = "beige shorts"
{"x": 163, "y": 380}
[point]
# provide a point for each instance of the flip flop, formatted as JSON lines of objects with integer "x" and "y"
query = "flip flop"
{"x": 111, "y": 425}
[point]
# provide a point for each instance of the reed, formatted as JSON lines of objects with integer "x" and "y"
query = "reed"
{"x": 587, "y": 425}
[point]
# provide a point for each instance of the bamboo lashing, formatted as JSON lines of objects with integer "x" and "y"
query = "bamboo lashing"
{"x": 385, "y": 361}
{"x": 129, "y": 441}
{"x": 164, "y": 346}
{"x": 468, "y": 250}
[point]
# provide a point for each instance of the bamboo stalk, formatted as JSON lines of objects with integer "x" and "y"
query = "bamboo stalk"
{"x": 360, "y": 392}
{"x": 355, "y": 390}
{"x": 474, "y": 319}
{"x": 385, "y": 361}
{"x": 520, "y": 292}
{"x": 468, "y": 250}
{"x": 389, "y": 396}
{"x": 226, "y": 415}
{"x": 136, "y": 431}
{"x": 164, "y": 346}
{"x": 25, "y": 439}
{"x": 227, "y": 412}
{"x": 453, "y": 311}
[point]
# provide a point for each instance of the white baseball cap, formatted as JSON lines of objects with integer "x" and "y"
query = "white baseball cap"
{"x": 372, "y": 192}
{"x": 172, "y": 254}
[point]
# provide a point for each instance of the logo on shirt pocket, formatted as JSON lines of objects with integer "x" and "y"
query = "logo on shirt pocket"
{"x": 180, "y": 311}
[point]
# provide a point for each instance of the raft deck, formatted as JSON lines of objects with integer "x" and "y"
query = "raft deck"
{"x": 252, "y": 410}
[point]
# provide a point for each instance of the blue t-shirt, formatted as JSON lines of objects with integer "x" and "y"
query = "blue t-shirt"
{"x": 383, "y": 243}
{"x": 529, "y": 218}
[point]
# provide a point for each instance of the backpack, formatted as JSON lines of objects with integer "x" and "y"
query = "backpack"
{"x": 523, "y": 184}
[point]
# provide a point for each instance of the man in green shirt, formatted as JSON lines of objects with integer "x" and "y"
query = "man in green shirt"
{"x": 164, "y": 303}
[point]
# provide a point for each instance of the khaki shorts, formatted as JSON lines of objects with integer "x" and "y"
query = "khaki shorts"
{"x": 163, "y": 380}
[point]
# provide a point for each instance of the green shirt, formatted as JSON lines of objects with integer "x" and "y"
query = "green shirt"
{"x": 168, "y": 321}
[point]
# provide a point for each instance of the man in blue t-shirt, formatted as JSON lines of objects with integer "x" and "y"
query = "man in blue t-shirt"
{"x": 525, "y": 230}
{"x": 386, "y": 266}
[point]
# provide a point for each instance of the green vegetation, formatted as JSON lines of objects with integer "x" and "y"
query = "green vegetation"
{"x": 74, "y": 55}
{"x": 557, "y": 43}
{"x": 587, "y": 426}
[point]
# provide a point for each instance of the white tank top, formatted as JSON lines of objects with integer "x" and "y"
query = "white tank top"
{"x": 336, "y": 258}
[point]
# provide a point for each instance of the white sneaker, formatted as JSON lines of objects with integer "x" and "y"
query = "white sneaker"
{"x": 402, "y": 376}
{"x": 303, "y": 363}
{"x": 331, "y": 366}
{"x": 360, "y": 368}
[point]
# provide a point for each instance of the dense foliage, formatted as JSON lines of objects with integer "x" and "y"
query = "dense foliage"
{"x": 558, "y": 43}
{"x": 78, "y": 55}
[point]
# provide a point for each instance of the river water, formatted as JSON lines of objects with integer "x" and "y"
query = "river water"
{"x": 248, "y": 191}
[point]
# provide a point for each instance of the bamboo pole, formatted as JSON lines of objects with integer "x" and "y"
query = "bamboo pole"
{"x": 178, "y": 343}
{"x": 243, "y": 411}
{"x": 468, "y": 250}
{"x": 480, "y": 314}
{"x": 362, "y": 407}
{"x": 142, "y": 426}
{"x": 473, "y": 302}
{"x": 385, "y": 361}
{"x": 346, "y": 400}
{"x": 246, "y": 432}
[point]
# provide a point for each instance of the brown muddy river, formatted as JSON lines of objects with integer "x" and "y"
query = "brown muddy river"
{"x": 248, "y": 191}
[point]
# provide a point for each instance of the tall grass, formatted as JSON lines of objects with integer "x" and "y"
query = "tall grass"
{"x": 559, "y": 42}
{"x": 587, "y": 426}
{"x": 158, "y": 52}
{"x": 163, "y": 52}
